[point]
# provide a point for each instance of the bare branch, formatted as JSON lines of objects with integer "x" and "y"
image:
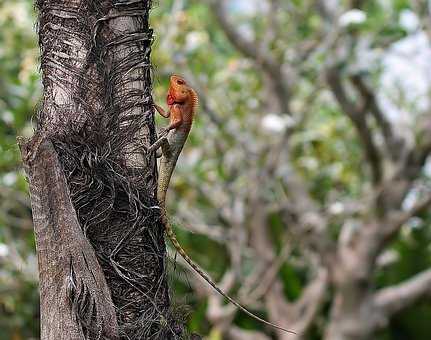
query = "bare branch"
{"x": 423, "y": 11}
{"x": 416, "y": 158}
{"x": 272, "y": 24}
{"x": 396, "y": 222}
{"x": 358, "y": 119}
{"x": 393, "y": 299}
{"x": 246, "y": 47}
{"x": 301, "y": 314}
{"x": 310, "y": 301}
{"x": 262, "y": 57}
{"x": 374, "y": 236}
{"x": 264, "y": 278}
{"x": 304, "y": 217}
{"x": 236, "y": 333}
{"x": 370, "y": 103}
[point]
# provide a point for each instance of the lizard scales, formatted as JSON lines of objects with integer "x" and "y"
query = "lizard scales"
{"x": 182, "y": 101}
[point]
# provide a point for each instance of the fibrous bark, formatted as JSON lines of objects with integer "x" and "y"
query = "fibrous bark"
{"x": 74, "y": 297}
{"x": 97, "y": 223}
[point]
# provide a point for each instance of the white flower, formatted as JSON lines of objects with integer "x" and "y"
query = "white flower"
{"x": 9, "y": 179}
{"x": 354, "y": 16}
{"x": 387, "y": 258}
{"x": 4, "y": 250}
{"x": 195, "y": 39}
{"x": 406, "y": 68}
{"x": 427, "y": 168}
{"x": 409, "y": 20}
{"x": 7, "y": 117}
{"x": 248, "y": 7}
{"x": 336, "y": 208}
{"x": 276, "y": 123}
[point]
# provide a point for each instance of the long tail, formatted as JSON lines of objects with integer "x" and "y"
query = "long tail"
{"x": 197, "y": 269}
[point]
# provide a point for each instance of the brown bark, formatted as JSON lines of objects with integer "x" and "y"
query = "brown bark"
{"x": 99, "y": 237}
{"x": 68, "y": 267}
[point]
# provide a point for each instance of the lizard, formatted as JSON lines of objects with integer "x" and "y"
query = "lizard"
{"x": 182, "y": 101}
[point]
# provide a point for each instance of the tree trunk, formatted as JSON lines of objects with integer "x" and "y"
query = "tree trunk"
{"x": 98, "y": 231}
{"x": 72, "y": 286}
{"x": 353, "y": 315}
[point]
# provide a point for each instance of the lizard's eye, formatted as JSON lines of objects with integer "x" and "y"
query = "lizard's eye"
{"x": 180, "y": 82}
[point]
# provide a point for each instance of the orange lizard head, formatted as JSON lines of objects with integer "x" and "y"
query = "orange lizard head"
{"x": 181, "y": 93}
{"x": 179, "y": 90}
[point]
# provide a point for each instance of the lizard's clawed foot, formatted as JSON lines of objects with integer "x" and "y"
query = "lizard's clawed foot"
{"x": 157, "y": 144}
{"x": 150, "y": 149}
{"x": 163, "y": 132}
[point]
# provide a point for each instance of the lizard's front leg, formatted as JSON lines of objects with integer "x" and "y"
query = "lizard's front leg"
{"x": 176, "y": 121}
{"x": 176, "y": 118}
{"x": 162, "y": 111}
{"x": 166, "y": 114}
{"x": 162, "y": 133}
{"x": 160, "y": 143}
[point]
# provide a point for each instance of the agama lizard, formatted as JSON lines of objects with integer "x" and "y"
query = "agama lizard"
{"x": 182, "y": 101}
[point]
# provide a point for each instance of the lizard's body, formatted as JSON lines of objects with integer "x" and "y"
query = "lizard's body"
{"x": 182, "y": 101}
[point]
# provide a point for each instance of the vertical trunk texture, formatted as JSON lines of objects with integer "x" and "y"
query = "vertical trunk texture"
{"x": 102, "y": 257}
{"x": 353, "y": 315}
{"x": 75, "y": 300}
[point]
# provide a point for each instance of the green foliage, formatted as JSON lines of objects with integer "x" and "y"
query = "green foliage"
{"x": 414, "y": 256}
{"x": 19, "y": 94}
{"x": 19, "y": 81}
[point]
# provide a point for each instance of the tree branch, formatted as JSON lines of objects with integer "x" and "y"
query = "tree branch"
{"x": 358, "y": 119}
{"x": 246, "y": 47}
{"x": 370, "y": 103}
{"x": 262, "y": 57}
{"x": 395, "y": 223}
{"x": 310, "y": 301}
{"x": 393, "y": 299}
{"x": 307, "y": 221}
{"x": 236, "y": 333}
{"x": 265, "y": 278}
{"x": 360, "y": 253}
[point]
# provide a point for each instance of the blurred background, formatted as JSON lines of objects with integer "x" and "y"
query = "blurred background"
{"x": 306, "y": 109}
